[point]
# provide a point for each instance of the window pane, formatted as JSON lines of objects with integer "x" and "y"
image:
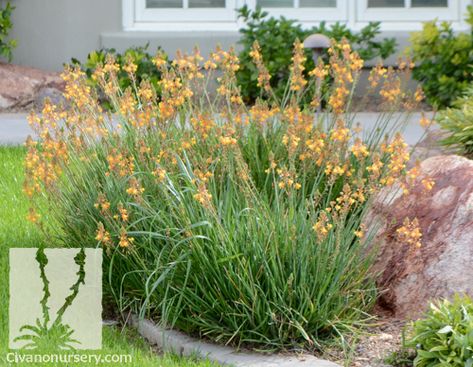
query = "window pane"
{"x": 164, "y": 3}
{"x": 385, "y": 3}
{"x": 318, "y": 3}
{"x": 206, "y": 3}
{"x": 429, "y": 3}
{"x": 276, "y": 3}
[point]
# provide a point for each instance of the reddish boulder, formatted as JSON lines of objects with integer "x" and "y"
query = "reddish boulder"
{"x": 443, "y": 265}
{"x": 22, "y": 87}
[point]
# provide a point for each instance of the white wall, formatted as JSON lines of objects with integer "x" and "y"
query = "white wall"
{"x": 50, "y": 32}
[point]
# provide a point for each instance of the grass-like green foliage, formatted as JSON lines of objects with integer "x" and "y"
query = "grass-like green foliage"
{"x": 443, "y": 60}
{"x": 444, "y": 335}
{"x": 138, "y": 55}
{"x": 15, "y": 231}
{"x": 248, "y": 271}
{"x": 276, "y": 37}
{"x": 6, "y": 45}
{"x": 458, "y": 121}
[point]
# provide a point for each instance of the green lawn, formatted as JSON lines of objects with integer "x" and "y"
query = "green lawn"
{"x": 15, "y": 231}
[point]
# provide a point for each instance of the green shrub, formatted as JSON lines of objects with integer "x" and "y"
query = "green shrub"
{"x": 444, "y": 336}
{"x": 240, "y": 224}
{"x": 443, "y": 60}
{"x": 139, "y": 56}
{"x": 458, "y": 121}
{"x": 6, "y": 46}
{"x": 276, "y": 37}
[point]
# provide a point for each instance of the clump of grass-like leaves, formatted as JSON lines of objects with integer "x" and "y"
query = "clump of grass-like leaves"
{"x": 243, "y": 224}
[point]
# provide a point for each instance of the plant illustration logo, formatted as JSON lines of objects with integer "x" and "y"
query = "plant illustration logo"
{"x": 55, "y": 299}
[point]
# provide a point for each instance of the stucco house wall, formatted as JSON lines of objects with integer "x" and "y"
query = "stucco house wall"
{"x": 50, "y": 32}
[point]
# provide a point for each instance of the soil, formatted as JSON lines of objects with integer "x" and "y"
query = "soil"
{"x": 373, "y": 347}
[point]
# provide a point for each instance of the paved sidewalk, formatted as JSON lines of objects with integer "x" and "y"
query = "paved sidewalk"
{"x": 14, "y": 128}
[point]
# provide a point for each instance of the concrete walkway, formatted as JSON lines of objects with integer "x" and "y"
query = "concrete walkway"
{"x": 14, "y": 128}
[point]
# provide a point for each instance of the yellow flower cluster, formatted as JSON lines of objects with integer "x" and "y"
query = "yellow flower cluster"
{"x": 287, "y": 180}
{"x": 124, "y": 240}
{"x": 263, "y": 74}
{"x": 399, "y": 156}
{"x": 298, "y": 81}
{"x": 189, "y": 66}
{"x": 228, "y": 62}
{"x": 323, "y": 226}
{"x": 425, "y": 122}
{"x": 341, "y": 133}
{"x": 359, "y": 149}
{"x": 428, "y": 183}
{"x": 102, "y": 204}
{"x": 203, "y": 196}
{"x": 134, "y": 188}
{"x": 160, "y": 173}
{"x": 391, "y": 89}
{"x": 123, "y": 213}
{"x": 119, "y": 163}
{"x": 261, "y": 112}
{"x": 345, "y": 68}
{"x": 376, "y": 74}
{"x": 320, "y": 71}
{"x": 76, "y": 89}
{"x": 102, "y": 235}
{"x": 410, "y": 233}
{"x": 130, "y": 67}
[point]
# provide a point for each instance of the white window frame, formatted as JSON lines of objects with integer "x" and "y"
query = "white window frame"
{"x": 354, "y": 13}
{"x": 185, "y": 14}
{"x": 137, "y": 17}
{"x": 308, "y": 15}
{"x": 397, "y": 18}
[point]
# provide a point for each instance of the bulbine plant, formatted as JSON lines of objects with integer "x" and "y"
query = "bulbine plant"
{"x": 243, "y": 224}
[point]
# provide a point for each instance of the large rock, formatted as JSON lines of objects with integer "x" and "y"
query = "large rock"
{"x": 443, "y": 264}
{"x": 22, "y": 87}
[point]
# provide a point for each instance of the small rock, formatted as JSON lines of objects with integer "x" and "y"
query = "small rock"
{"x": 21, "y": 87}
{"x": 110, "y": 322}
{"x": 385, "y": 337}
{"x": 54, "y": 95}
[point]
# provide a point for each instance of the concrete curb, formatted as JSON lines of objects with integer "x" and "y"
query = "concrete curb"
{"x": 183, "y": 345}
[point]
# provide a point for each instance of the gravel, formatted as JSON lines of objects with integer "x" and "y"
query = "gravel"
{"x": 372, "y": 347}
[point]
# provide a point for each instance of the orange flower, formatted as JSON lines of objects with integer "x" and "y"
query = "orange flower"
{"x": 410, "y": 233}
